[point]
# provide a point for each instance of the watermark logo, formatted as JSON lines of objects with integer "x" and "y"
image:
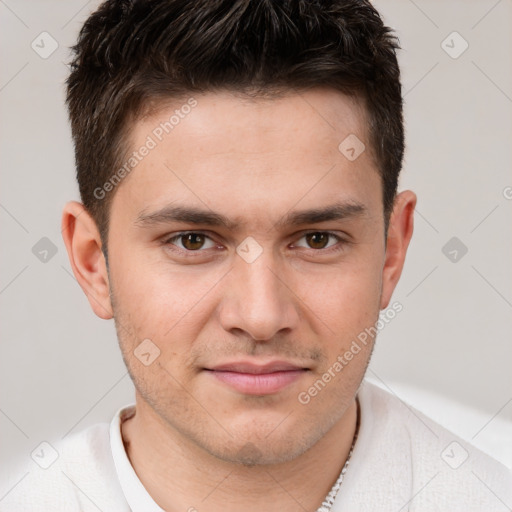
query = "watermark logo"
{"x": 44, "y": 250}
{"x": 454, "y": 45}
{"x": 146, "y": 352}
{"x": 454, "y": 455}
{"x": 44, "y": 45}
{"x": 44, "y": 455}
{"x": 454, "y": 249}
{"x": 249, "y": 250}
{"x": 351, "y": 147}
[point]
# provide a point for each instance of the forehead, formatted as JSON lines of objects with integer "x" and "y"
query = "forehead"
{"x": 251, "y": 121}
{"x": 227, "y": 151}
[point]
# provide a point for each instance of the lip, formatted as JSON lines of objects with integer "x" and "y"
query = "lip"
{"x": 257, "y": 379}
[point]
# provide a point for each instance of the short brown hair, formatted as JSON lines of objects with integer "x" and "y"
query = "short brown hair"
{"x": 133, "y": 53}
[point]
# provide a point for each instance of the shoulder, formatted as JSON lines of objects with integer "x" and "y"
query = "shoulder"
{"x": 435, "y": 469}
{"x": 76, "y": 473}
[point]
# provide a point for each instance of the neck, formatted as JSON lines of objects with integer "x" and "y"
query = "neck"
{"x": 179, "y": 475}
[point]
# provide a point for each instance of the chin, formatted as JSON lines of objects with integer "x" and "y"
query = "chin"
{"x": 255, "y": 448}
{"x": 253, "y": 454}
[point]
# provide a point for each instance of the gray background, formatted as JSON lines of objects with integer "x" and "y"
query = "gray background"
{"x": 448, "y": 352}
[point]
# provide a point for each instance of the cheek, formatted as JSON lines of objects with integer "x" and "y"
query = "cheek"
{"x": 157, "y": 314}
{"x": 345, "y": 298}
{"x": 162, "y": 304}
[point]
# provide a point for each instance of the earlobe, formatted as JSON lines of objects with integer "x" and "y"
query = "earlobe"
{"x": 83, "y": 244}
{"x": 399, "y": 235}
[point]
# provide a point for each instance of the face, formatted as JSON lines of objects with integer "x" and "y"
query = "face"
{"x": 249, "y": 250}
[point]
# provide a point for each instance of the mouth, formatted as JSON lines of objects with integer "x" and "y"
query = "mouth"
{"x": 257, "y": 379}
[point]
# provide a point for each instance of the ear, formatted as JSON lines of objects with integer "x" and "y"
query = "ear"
{"x": 399, "y": 235}
{"x": 83, "y": 243}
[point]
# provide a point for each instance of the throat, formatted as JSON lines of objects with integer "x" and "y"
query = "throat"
{"x": 177, "y": 475}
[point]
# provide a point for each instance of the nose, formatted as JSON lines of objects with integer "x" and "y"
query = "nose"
{"x": 257, "y": 300}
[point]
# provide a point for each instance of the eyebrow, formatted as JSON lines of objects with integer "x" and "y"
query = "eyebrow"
{"x": 191, "y": 215}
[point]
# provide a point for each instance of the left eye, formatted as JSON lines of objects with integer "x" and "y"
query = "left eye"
{"x": 320, "y": 239}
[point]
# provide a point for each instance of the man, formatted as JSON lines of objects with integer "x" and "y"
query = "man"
{"x": 238, "y": 165}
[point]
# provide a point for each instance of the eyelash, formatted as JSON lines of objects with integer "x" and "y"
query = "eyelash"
{"x": 340, "y": 246}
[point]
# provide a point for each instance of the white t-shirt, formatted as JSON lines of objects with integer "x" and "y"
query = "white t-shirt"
{"x": 402, "y": 461}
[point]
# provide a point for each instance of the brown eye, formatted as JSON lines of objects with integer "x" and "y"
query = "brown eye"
{"x": 317, "y": 240}
{"x": 192, "y": 241}
{"x": 321, "y": 242}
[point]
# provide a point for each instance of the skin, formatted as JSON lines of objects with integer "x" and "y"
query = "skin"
{"x": 195, "y": 441}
